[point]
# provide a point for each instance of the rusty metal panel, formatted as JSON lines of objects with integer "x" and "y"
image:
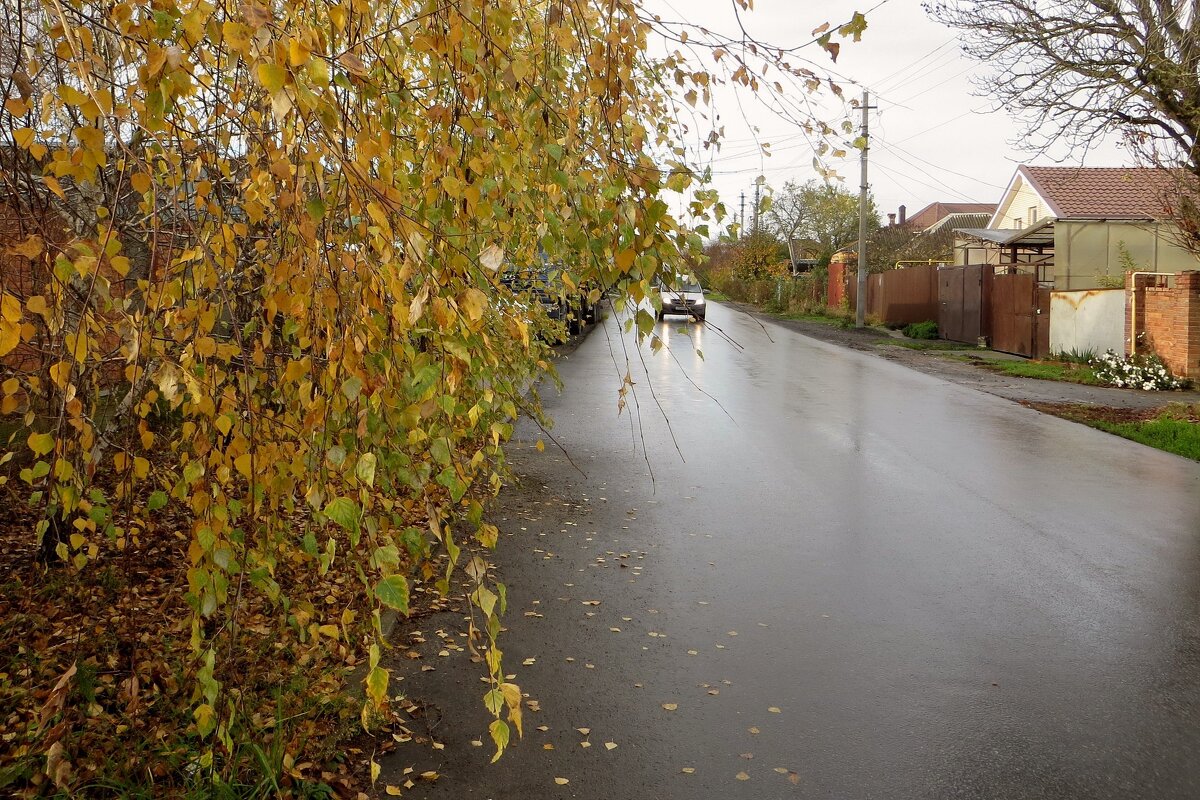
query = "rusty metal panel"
{"x": 964, "y": 311}
{"x": 950, "y": 303}
{"x": 1014, "y": 310}
{"x": 1041, "y": 337}
{"x": 908, "y": 295}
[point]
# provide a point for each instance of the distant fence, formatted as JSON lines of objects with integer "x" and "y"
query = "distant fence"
{"x": 894, "y": 297}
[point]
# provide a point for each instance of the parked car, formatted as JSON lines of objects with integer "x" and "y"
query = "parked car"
{"x": 684, "y": 296}
{"x": 543, "y": 284}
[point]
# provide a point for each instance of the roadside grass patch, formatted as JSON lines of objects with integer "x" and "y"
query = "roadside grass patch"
{"x": 1045, "y": 370}
{"x": 922, "y": 330}
{"x": 925, "y": 344}
{"x": 713, "y": 294}
{"x": 1174, "y": 429}
{"x": 1173, "y": 435}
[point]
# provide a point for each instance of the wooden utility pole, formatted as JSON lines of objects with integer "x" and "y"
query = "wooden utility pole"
{"x": 860, "y": 310}
{"x": 742, "y": 216}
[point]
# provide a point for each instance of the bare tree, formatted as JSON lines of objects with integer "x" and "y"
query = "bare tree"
{"x": 1079, "y": 69}
{"x": 821, "y": 212}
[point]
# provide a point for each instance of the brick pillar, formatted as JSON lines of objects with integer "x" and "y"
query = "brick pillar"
{"x": 1187, "y": 284}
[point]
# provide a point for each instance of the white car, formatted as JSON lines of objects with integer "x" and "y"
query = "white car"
{"x": 685, "y": 296}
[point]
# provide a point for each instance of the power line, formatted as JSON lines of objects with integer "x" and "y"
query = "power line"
{"x": 898, "y": 77}
{"x": 899, "y": 153}
{"x": 937, "y": 185}
{"x": 936, "y": 85}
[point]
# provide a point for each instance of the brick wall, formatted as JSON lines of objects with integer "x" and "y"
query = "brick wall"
{"x": 1166, "y": 320}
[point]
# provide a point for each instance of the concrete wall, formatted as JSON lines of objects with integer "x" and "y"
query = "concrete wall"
{"x": 1088, "y": 255}
{"x": 1166, "y": 320}
{"x": 1087, "y": 320}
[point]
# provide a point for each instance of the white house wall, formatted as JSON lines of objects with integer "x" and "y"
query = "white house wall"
{"x": 1087, "y": 320}
{"x": 1017, "y": 206}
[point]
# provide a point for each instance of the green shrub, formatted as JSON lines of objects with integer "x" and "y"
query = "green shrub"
{"x": 922, "y": 330}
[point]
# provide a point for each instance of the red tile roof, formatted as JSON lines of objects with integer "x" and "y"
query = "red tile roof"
{"x": 935, "y": 212}
{"x": 1102, "y": 192}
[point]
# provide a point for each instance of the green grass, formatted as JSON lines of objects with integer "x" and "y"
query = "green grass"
{"x": 1173, "y": 435}
{"x": 1046, "y": 371}
{"x": 713, "y": 294}
{"x": 921, "y": 330}
{"x": 824, "y": 319}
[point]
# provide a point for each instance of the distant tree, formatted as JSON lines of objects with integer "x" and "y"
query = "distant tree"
{"x": 897, "y": 243}
{"x": 1081, "y": 69}
{"x": 759, "y": 255}
{"x": 820, "y": 212}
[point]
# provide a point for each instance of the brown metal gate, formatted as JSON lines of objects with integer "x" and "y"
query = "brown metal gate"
{"x": 1020, "y": 315}
{"x": 963, "y": 303}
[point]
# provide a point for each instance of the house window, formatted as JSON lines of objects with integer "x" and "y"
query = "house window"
{"x": 1033, "y": 214}
{"x": 1017, "y": 222}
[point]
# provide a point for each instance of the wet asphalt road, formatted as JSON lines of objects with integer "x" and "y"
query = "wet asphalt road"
{"x": 908, "y": 588}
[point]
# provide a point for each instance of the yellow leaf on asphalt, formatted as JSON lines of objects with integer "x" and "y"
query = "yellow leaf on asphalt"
{"x": 670, "y": 706}
{"x": 741, "y": 776}
{"x": 393, "y": 791}
{"x": 688, "y": 770}
{"x": 561, "y": 781}
{"x": 610, "y": 745}
{"x": 774, "y": 710}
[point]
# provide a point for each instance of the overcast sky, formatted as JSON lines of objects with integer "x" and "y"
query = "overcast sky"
{"x": 933, "y": 137}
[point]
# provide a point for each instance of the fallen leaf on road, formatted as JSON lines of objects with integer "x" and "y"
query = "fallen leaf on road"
{"x": 782, "y": 770}
{"x": 741, "y": 776}
{"x": 693, "y": 652}
{"x": 584, "y": 731}
{"x": 774, "y": 710}
{"x": 394, "y": 791}
{"x": 794, "y": 778}
{"x": 670, "y": 706}
{"x": 561, "y": 781}
{"x": 714, "y": 692}
{"x": 585, "y": 743}
{"x": 732, "y": 633}
{"x": 754, "y": 730}
{"x": 547, "y": 746}
{"x": 688, "y": 770}
{"x": 543, "y": 728}
{"x": 476, "y": 743}
{"x": 610, "y": 745}
{"x": 615, "y": 630}
{"x": 747, "y": 756}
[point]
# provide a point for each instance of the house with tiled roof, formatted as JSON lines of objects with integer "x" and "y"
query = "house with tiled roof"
{"x": 1079, "y": 227}
{"x": 939, "y": 215}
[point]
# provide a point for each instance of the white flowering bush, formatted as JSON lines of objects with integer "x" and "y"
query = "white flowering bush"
{"x": 1146, "y": 372}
